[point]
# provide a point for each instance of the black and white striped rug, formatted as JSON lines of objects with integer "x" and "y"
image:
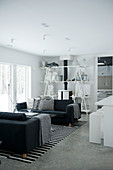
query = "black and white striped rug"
{"x": 58, "y": 133}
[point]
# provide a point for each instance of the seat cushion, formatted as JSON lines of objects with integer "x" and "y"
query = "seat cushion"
{"x": 54, "y": 112}
{"x": 60, "y": 105}
{"x": 36, "y": 111}
{"x": 23, "y": 110}
{"x": 13, "y": 116}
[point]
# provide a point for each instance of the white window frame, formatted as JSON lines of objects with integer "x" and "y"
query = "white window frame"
{"x": 14, "y": 83}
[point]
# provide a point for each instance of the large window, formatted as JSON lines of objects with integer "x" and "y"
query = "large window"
{"x": 15, "y": 85}
{"x": 5, "y": 88}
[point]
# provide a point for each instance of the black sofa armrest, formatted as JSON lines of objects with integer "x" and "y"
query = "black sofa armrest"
{"x": 22, "y": 107}
{"x": 13, "y": 116}
{"x": 70, "y": 113}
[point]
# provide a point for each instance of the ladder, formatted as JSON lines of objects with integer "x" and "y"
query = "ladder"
{"x": 81, "y": 95}
{"x": 84, "y": 104}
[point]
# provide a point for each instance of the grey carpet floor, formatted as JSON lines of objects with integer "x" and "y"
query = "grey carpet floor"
{"x": 58, "y": 133}
{"x": 74, "y": 153}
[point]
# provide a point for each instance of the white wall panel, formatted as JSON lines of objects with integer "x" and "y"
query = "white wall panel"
{"x": 21, "y": 58}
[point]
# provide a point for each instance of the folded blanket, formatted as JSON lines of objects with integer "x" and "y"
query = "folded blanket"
{"x": 76, "y": 108}
{"x": 45, "y": 128}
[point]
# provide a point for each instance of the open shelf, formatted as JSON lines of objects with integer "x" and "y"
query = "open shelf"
{"x": 86, "y": 111}
{"x": 57, "y": 67}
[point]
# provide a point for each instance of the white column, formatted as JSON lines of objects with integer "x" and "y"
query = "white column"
{"x": 14, "y": 84}
{"x": 108, "y": 126}
{"x": 94, "y": 128}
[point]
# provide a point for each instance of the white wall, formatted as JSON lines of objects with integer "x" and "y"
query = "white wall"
{"x": 22, "y": 58}
{"x": 11, "y": 56}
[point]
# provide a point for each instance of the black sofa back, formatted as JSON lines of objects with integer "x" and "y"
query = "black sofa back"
{"x": 21, "y": 106}
{"x": 60, "y": 105}
{"x": 13, "y": 116}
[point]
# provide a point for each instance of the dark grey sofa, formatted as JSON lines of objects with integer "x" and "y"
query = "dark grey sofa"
{"x": 18, "y": 133}
{"x": 63, "y": 112}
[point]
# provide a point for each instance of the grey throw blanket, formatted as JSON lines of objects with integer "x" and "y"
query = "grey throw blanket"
{"x": 76, "y": 108}
{"x": 45, "y": 128}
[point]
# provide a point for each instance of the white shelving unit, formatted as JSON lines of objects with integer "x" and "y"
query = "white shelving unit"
{"x": 84, "y": 99}
{"x": 85, "y": 104}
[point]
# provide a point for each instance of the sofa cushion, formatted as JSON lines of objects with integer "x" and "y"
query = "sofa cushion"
{"x": 13, "y": 116}
{"x": 46, "y": 105}
{"x": 36, "y": 103}
{"x": 60, "y": 105}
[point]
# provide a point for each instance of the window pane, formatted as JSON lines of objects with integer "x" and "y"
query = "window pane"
{"x": 5, "y": 87}
{"x": 20, "y": 91}
{"x": 15, "y": 85}
{"x": 23, "y": 81}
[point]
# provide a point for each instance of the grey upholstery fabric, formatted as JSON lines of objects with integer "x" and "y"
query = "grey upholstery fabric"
{"x": 46, "y": 105}
{"x": 76, "y": 108}
{"x": 45, "y": 128}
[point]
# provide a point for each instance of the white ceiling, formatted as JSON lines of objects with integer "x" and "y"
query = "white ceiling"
{"x": 57, "y": 27}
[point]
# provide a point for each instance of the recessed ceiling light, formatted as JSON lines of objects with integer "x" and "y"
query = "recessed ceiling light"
{"x": 44, "y": 36}
{"x": 67, "y": 38}
{"x": 12, "y": 40}
{"x": 45, "y": 25}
